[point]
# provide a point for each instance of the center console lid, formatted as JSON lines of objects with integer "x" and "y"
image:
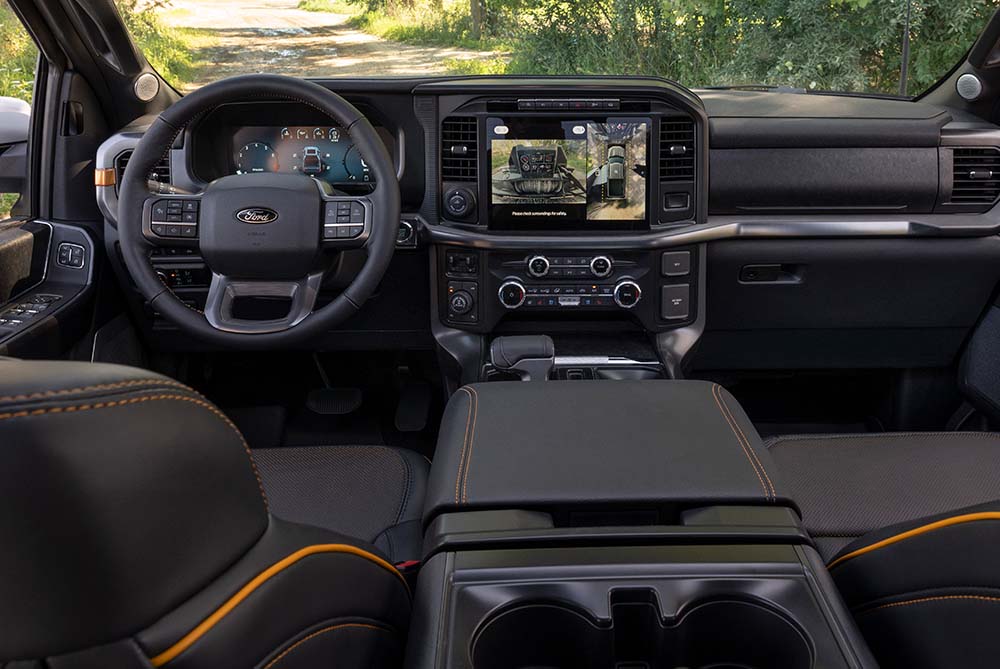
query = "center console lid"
{"x": 593, "y": 446}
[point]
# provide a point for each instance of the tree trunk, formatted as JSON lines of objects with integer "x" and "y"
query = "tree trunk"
{"x": 476, "y": 13}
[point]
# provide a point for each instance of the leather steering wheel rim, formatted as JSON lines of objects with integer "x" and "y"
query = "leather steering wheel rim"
{"x": 134, "y": 196}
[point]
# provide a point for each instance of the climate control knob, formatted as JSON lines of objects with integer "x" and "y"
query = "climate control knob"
{"x": 627, "y": 294}
{"x": 538, "y": 266}
{"x": 512, "y": 294}
{"x": 601, "y": 266}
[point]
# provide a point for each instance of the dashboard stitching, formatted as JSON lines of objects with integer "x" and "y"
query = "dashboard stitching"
{"x": 718, "y": 402}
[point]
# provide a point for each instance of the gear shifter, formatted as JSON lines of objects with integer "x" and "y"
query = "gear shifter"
{"x": 529, "y": 356}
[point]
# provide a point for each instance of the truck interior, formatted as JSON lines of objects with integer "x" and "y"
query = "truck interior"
{"x": 494, "y": 371}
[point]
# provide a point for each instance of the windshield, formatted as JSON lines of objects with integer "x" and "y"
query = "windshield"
{"x": 836, "y": 45}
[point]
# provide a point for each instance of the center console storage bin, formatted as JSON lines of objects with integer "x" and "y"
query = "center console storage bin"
{"x": 574, "y": 448}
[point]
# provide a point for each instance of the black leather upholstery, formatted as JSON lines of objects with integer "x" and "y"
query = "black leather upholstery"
{"x": 597, "y": 444}
{"x": 133, "y": 516}
{"x": 926, "y": 594}
{"x": 916, "y": 566}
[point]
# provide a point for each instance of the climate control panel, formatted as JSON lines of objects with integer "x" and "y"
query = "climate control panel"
{"x": 484, "y": 287}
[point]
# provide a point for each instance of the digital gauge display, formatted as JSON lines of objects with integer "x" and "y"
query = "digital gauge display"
{"x": 326, "y": 153}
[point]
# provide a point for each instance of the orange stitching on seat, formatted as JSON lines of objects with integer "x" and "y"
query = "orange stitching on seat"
{"x": 472, "y": 440}
{"x": 746, "y": 441}
{"x": 917, "y": 531}
{"x": 316, "y": 634}
{"x": 260, "y": 579}
{"x": 738, "y": 440}
{"x": 100, "y": 386}
{"x": 932, "y": 599}
{"x": 465, "y": 444}
{"x": 147, "y": 398}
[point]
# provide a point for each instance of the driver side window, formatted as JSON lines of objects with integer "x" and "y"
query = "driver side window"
{"x": 18, "y": 60}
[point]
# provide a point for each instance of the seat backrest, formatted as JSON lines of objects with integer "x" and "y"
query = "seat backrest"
{"x": 123, "y": 494}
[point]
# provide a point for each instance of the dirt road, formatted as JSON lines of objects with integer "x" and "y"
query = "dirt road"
{"x": 273, "y": 36}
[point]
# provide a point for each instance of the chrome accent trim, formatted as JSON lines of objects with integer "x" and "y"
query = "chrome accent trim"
{"x": 611, "y": 267}
{"x": 627, "y": 282}
{"x": 524, "y": 294}
{"x": 601, "y": 361}
{"x": 223, "y": 290}
{"x": 723, "y": 227}
{"x": 532, "y": 259}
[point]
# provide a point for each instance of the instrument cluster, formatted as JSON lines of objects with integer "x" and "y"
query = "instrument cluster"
{"x": 323, "y": 152}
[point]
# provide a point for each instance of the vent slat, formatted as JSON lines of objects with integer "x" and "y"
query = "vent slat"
{"x": 674, "y": 133}
{"x": 160, "y": 173}
{"x": 967, "y": 190}
{"x": 459, "y": 155}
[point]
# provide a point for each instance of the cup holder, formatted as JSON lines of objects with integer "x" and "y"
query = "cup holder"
{"x": 712, "y": 634}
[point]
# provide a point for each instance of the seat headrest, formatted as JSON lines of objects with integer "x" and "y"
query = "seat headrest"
{"x": 123, "y": 491}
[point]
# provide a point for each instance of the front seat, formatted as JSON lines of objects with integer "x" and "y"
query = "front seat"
{"x": 137, "y": 533}
{"x": 909, "y": 524}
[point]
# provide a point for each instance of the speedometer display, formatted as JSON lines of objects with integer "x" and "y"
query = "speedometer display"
{"x": 323, "y": 152}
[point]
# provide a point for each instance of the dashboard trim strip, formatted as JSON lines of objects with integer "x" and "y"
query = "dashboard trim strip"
{"x": 695, "y": 234}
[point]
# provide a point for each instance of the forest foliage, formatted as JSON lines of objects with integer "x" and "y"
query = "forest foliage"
{"x": 844, "y": 45}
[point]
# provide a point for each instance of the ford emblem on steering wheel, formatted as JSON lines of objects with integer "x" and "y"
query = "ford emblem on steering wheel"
{"x": 257, "y": 215}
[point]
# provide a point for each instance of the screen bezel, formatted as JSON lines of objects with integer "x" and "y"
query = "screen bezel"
{"x": 547, "y": 224}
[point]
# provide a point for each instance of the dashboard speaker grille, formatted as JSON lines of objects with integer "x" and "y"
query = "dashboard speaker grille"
{"x": 677, "y": 149}
{"x": 458, "y": 149}
{"x": 976, "y": 176}
{"x": 160, "y": 173}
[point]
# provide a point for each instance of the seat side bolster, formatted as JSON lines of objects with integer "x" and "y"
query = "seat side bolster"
{"x": 954, "y": 550}
{"x": 305, "y": 573}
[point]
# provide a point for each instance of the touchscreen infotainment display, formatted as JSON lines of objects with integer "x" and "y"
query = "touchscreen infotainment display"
{"x": 568, "y": 174}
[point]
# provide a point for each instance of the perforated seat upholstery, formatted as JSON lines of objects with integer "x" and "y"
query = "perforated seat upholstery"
{"x": 847, "y": 485}
{"x": 373, "y": 493}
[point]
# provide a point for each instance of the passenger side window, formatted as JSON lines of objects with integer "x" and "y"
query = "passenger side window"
{"x": 18, "y": 60}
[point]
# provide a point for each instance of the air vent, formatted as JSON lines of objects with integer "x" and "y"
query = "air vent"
{"x": 677, "y": 149}
{"x": 976, "y": 176}
{"x": 160, "y": 173}
{"x": 458, "y": 149}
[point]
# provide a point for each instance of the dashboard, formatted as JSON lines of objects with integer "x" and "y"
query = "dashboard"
{"x": 721, "y": 224}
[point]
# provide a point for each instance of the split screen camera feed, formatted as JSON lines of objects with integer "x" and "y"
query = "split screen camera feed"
{"x": 569, "y": 171}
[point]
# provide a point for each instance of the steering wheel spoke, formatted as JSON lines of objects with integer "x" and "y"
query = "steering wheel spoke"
{"x": 224, "y": 291}
{"x": 171, "y": 220}
{"x": 347, "y": 221}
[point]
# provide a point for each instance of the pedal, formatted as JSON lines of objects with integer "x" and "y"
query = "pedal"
{"x": 334, "y": 401}
{"x": 414, "y": 407}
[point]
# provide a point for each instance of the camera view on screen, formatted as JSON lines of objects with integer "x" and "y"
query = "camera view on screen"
{"x": 567, "y": 173}
{"x": 616, "y": 170}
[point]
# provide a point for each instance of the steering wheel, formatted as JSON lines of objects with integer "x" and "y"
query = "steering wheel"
{"x": 263, "y": 234}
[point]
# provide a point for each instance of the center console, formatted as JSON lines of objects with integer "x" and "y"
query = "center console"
{"x": 636, "y": 525}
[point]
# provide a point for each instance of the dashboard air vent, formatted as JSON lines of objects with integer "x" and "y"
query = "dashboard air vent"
{"x": 458, "y": 149}
{"x": 160, "y": 173}
{"x": 677, "y": 149}
{"x": 976, "y": 176}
